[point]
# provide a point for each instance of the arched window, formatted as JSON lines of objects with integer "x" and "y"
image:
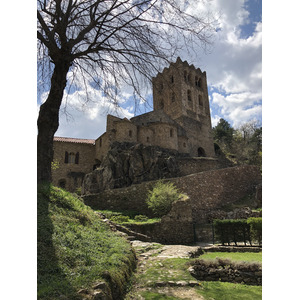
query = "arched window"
{"x": 196, "y": 81}
{"x": 200, "y": 100}
{"x": 189, "y": 78}
{"x": 77, "y": 158}
{"x": 189, "y": 95}
{"x": 148, "y": 139}
{"x": 185, "y": 76}
{"x": 201, "y": 152}
{"x": 62, "y": 183}
{"x": 100, "y": 142}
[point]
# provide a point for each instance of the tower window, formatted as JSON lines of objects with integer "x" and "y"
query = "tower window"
{"x": 100, "y": 142}
{"x": 184, "y": 145}
{"x": 189, "y": 95}
{"x": 172, "y": 79}
{"x": 148, "y": 139}
{"x": 171, "y": 132}
{"x": 189, "y": 78}
{"x": 200, "y": 100}
{"x": 130, "y": 133}
{"x": 185, "y": 76}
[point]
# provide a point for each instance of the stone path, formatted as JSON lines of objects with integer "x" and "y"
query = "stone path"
{"x": 150, "y": 254}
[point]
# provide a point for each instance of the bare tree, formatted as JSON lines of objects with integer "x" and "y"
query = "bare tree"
{"x": 107, "y": 42}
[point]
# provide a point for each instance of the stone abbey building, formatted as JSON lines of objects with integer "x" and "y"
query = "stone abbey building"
{"x": 179, "y": 121}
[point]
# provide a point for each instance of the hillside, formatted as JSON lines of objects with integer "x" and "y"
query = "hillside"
{"x": 78, "y": 255}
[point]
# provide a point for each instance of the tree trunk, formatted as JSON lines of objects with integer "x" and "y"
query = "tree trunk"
{"x": 48, "y": 121}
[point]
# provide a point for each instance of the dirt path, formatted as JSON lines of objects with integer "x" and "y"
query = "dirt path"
{"x": 162, "y": 272}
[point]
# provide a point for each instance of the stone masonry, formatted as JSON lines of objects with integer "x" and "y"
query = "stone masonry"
{"x": 180, "y": 121}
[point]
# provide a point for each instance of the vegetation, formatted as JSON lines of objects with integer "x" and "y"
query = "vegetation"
{"x": 235, "y": 256}
{"x": 239, "y": 230}
{"x": 176, "y": 269}
{"x": 75, "y": 248}
{"x": 229, "y": 291}
{"x": 128, "y": 217}
{"x": 162, "y": 196}
{"x": 104, "y": 45}
{"x": 242, "y": 145}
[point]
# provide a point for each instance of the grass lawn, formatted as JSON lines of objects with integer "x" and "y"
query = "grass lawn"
{"x": 229, "y": 291}
{"x": 75, "y": 248}
{"x": 238, "y": 256}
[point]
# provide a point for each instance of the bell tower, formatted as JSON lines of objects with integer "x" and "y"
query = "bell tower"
{"x": 181, "y": 92}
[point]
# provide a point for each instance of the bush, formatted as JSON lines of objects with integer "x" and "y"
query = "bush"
{"x": 162, "y": 196}
{"x": 228, "y": 231}
{"x": 255, "y": 229}
{"x": 120, "y": 219}
{"x": 141, "y": 218}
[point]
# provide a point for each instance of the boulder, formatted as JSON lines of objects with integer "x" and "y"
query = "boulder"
{"x": 126, "y": 164}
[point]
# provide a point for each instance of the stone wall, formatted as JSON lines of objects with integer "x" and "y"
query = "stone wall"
{"x": 207, "y": 190}
{"x": 228, "y": 271}
{"x": 70, "y": 175}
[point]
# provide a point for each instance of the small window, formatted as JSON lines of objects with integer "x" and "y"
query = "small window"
{"x": 100, "y": 142}
{"x": 130, "y": 133}
{"x": 172, "y": 79}
{"x": 184, "y": 145}
{"x": 196, "y": 81}
{"x": 71, "y": 159}
{"x": 200, "y": 100}
{"x": 148, "y": 139}
{"x": 189, "y": 78}
{"x": 77, "y": 158}
{"x": 171, "y": 132}
{"x": 62, "y": 183}
{"x": 185, "y": 76}
{"x": 189, "y": 95}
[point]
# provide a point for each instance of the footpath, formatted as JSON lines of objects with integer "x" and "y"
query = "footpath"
{"x": 162, "y": 272}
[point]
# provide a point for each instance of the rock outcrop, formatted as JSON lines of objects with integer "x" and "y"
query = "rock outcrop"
{"x": 126, "y": 164}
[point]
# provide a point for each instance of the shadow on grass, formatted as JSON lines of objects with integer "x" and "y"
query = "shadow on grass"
{"x": 52, "y": 283}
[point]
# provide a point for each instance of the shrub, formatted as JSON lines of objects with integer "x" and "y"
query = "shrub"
{"x": 162, "y": 196}
{"x": 141, "y": 218}
{"x": 228, "y": 231}
{"x": 120, "y": 219}
{"x": 255, "y": 229}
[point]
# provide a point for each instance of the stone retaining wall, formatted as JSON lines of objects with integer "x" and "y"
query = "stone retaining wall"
{"x": 227, "y": 271}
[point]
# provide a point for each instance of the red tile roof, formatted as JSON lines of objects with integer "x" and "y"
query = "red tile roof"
{"x": 73, "y": 140}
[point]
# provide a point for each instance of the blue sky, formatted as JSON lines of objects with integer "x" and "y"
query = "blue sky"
{"x": 233, "y": 68}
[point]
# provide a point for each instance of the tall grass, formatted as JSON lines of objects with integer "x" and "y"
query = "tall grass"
{"x": 75, "y": 248}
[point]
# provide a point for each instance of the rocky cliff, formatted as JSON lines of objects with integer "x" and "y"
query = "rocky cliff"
{"x": 126, "y": 164}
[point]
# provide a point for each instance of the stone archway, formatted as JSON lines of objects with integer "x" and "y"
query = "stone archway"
{"x": 201, "y": 152}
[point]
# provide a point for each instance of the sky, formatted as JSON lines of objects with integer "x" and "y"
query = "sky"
{"x": 233, "y": 67}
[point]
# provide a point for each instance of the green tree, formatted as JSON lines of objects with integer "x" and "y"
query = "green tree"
{"x": 223, "y": 132}
{"x": 162, "y": 196}
{"x": 107, "y": 42}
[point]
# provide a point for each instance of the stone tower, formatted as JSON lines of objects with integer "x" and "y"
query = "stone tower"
{"x": 181, "y": 92}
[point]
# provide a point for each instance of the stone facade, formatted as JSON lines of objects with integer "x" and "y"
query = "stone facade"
{"x": 73, "y": 158}
{"x": 180, "y": 121}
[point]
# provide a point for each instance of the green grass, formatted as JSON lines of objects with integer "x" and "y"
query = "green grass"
{"x": 118, "y": 217}
{"x": 235, "y": 256}
{"x": 75, "y": 248}
{"x": 147, "y": 295}
{"x": 215, "y": 290}
{"x": 170, "y": 269}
